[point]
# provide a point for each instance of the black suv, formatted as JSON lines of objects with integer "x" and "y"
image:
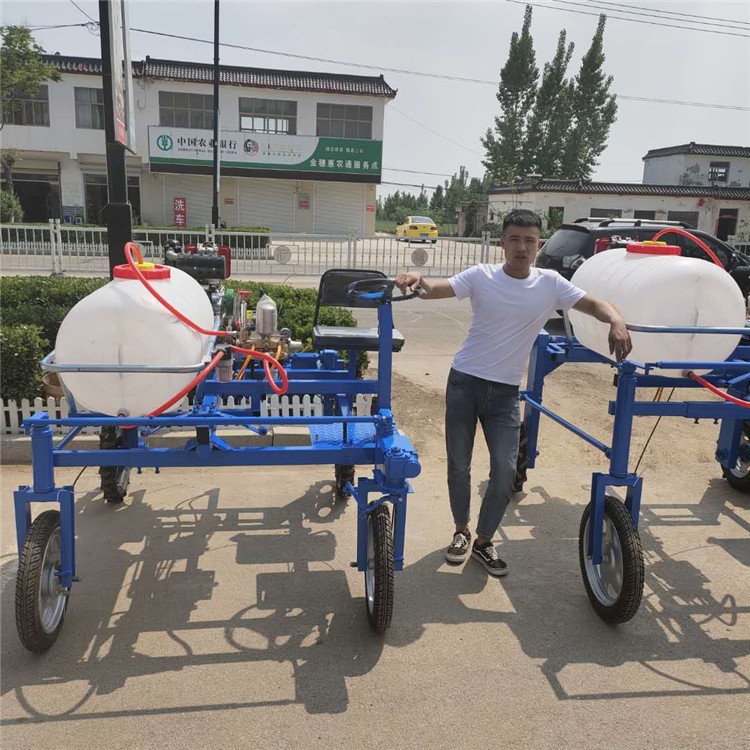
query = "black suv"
{"x": 570, "y": 245}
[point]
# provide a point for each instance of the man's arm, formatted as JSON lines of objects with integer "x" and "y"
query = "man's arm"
{"x": 619, "y": 337}
{"x": 432, "y": 288}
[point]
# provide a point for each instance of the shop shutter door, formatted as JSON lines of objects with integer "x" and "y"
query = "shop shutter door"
{"x": 339, "y": 208}
{"x": 197, "y": 190}
{"x": 267, "y": 203}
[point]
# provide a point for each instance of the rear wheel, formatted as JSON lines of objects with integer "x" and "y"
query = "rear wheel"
{"x": 379, "y": 592}
{"x": 114, "y": 479}
{"x": 41, "y": 603}
{"x": 615, "y": 586}
{"x": 739, "y": 475}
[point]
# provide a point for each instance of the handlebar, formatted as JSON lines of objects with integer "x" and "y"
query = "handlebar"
{"x": 378, "y": 289}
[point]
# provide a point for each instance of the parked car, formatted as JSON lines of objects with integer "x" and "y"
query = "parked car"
{"x": 421, "y": 228}
{"x": 573, "y": 243}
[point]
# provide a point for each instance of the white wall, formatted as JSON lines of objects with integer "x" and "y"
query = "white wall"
{"x": 677, "y": 169}
{"x": 579, "y": 205}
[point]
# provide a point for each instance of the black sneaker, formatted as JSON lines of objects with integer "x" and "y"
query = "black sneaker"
{"x": 459, "y": 549}
{"x": 487, "y": 555}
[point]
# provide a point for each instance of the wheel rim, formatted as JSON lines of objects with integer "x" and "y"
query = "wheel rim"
{"x": 606, "y": 579}
{"x": 370, "y": 572}
{"x": 742, "y": 467}
{"x": 51, "y": 597}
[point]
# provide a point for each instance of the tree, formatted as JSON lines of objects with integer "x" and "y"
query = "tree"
{"x": 550, "y": 120}
{"x": 504, "y": 158}
{"x": 593, "y": 110}
{"x": 436, "y": 202}
{"x": 10, "y": 207}
{"x": 8, "y": 157}
{"x": 22, "y": 69}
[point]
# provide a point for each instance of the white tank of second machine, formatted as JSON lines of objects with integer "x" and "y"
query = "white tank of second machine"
{"x": 651, "y": 287}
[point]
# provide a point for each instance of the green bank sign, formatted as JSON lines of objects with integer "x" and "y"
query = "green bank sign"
{"x": 259, "y": 151}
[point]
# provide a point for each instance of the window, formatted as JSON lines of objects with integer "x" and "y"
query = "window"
{"x": 89, "y": 108}
{"x": 650, "y": 215}
{"x": 181, "y": 110}
{"x": 97, "y": 196}
{"x": 718, "y": 171}
{"x": 28, "y": 110}
{"x": 344, "y": 121}
{"x": 689, "y": 217}
{"x": 606, "y": 213}
{"x": 268, "y": 116}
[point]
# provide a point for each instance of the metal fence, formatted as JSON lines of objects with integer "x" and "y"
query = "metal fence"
{"x": 56, "y": 248}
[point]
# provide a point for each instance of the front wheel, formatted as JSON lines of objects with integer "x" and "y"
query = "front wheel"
{"x": 739, "y": 475}
{"x": 380, "y": 569}
{"x": 41, "y": 603}
{"x": 615, "y": 586}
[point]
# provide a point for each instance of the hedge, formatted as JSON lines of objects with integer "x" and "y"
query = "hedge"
{"x": 21, "y": 349}
{"x": 33, "y": 307}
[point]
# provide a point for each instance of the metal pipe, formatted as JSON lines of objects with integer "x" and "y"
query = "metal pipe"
{"x": 687, "y": 329}
{"x": 605, "y": 449}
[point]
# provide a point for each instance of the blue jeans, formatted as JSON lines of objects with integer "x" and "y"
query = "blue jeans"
{"x": 496, "y": 406}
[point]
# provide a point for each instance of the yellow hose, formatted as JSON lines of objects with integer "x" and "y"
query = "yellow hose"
{"x": 278, "y": 353}
{"x": 241, "y": 373}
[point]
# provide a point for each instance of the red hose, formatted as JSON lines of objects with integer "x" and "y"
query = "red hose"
{"x": 269, "y": 363}
{"x": 189, "y": 387}
{"x": 701, "y": 244}
{"x": 732, "y": 399}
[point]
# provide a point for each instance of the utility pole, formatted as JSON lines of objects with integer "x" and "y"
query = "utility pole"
{"x": 215, "y": 210}
{"x": 117, "y": 211}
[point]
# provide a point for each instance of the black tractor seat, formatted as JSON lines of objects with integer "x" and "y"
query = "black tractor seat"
{"x": 333, "y": 292}
{"x": 342, "y": 337}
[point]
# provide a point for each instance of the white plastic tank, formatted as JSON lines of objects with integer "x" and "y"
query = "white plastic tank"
{"x": 123, "y": 324}
{"x": 650, "y": 284}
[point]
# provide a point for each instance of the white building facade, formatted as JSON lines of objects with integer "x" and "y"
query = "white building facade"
{"x": 724, "y": 212}
{"x": 698, "y": 164}
{"x": 301, "y": 152}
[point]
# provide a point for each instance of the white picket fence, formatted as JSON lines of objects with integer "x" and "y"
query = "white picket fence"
{"x": 13, "y": 413}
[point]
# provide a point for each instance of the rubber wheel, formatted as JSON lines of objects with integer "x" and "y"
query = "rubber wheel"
{"x": 40, "y": 605}
{"x": 739, "y": 476}
{"x": 615, "y": 587}
{"x": 114, "y": 479}
{"x": 379, "y": 573}
{"x": 344, "y": 475}
{"x": 522, "y": 462}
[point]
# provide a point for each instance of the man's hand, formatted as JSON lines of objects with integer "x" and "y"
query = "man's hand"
{"x": 619, "y": 340}
{"x": 408, "y": 283}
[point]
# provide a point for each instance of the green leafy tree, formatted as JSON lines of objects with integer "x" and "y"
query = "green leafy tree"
{"x": 550, "y": 120}
{"x": 593, "y": 110}
{"x": 504, "y": 152}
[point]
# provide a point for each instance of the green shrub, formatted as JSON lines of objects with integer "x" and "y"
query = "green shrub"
{"x": 10, "y": 207}
{"x": 21, "y": 349}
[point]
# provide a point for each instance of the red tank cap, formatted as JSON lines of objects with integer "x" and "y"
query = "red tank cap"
{"x": 150, "y": 271}
{"x": 649, "y": 247}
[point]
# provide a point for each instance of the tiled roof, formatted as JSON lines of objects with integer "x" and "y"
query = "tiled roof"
{"x": 622, "y": 188}
{"x": 700, "y": 149}
{"x": 230, "y": 75}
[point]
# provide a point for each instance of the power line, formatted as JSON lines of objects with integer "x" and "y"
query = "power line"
{"x": 415, "y": 171}
{"x": 434, "y": 132}
{"x": 83, "y": 11}
{"x": 409, "y": 184}
{"x": 56, "y": 26}
{"x": 621, "y": 18}
{"x": 648, "y": 13}
{"x": 665, "y": 12}
{"x": 445, "y": 77}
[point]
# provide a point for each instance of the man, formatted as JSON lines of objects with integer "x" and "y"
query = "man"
{"x": 510, "y": 305}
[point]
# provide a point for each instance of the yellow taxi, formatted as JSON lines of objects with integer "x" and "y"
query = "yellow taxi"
{"x": 420, "y": 228}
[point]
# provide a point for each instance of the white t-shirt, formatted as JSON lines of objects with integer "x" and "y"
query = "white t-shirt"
{"x": 508, "y": 315}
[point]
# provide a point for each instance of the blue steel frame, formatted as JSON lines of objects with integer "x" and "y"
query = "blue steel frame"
{"x": 551, "y": 352}
{"x": 338, "y": 437}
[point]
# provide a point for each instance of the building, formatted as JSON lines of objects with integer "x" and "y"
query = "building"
{"x": 698, "y": 164}
{"x": 301, "y": 151}
{"x": 724, "y": 212}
